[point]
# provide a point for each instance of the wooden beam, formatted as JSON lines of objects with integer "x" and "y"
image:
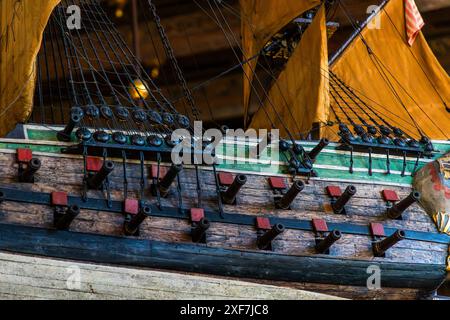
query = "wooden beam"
{"x": 431, "y": 5}
{"x": 28, "y": 277}
{"x": 210, "y": 260}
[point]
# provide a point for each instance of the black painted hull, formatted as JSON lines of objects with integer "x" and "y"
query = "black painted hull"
{"x": 215, "y": 261}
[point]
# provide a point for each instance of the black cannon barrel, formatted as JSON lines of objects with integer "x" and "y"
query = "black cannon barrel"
{"x": 131, "y": 227}
{"x": 380, "y": 247}
{"x": 266, "y": 239}
{"x": 318, "y": 149}
{"x": 65, "y": 134}
{"x": 229, "y": 196}
{"x": 96, "y": 181}
{"x": 65, "y": 220}
{"x": 326, "y": 243}
{"x": 397, "y": 209}
{"x": 290, "y": 196}
{"x": 340, "y": 203}
{"x": 28, "y": 174}
{"x": 169, "y": 178}
{"x": 200, "y": 229}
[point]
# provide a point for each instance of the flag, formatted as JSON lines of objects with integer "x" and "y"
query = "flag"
{"x": 414, "y": 21}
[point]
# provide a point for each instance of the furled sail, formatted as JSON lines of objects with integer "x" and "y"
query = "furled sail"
{"x": 300, "y": 94}
{"x": 404, "y": 84}
{"x": 22, "y": 23}
{"x": 261, "y": 19}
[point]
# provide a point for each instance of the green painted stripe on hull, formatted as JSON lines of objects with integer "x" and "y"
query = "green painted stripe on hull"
{"x": 331, "y": 164}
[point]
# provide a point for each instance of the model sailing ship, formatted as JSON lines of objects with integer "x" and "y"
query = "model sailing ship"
{"x": 323, "y": 217}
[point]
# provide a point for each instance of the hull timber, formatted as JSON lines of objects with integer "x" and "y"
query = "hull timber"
{"x": 412, "y": 268}
{"x": 30, "y": 277}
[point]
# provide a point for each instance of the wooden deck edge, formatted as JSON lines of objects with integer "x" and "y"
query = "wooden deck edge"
{"x": 29, "y": 277}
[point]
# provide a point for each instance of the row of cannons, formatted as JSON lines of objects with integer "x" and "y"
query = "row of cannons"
{"x": 229, "y": 189}
{"x": 266, "y": 233}
{"x": 230, "y": 186}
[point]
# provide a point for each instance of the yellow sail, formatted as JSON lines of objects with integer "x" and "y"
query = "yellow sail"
{"x": 397, "y": 72}
{"x": 22, "y": 23}
{"x": 261, "y": 19}
{"x": 300, "y": 94}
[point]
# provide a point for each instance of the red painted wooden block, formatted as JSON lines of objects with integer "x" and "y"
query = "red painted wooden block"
{"x": 334, "y": 191}
{"x": 94, "y": 164}
{"x": 197, "y": 214}
{"x": 154, "y": 171}
{"x": 277, "y": 183}
{"x": 24, "y": 155}
{"x": 320, "y": 225}
{"x": 59, "y": 199}
{"x": 225, "y": 178}
{"x": 377, "y": 229}
{"x": 263, "y": 223}
{"x": 131, "y": 206}
{"x": 390, "y": 195}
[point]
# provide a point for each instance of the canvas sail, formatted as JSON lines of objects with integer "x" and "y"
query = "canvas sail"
{"x": 261, "y": 19}
{"x": 403, "y": 83}
{"x": 22, "y": 23}
{"x": 300, "y": 95}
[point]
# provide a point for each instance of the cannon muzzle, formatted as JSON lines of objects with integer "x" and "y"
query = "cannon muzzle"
{"x": 65, "y": 134}
{"x": 229, "y": 196}
{"x": 326, "y": 243}
{"x": 340, "y": 203}
{"x": 27, "y": 175}
{"x": 131, "y": 227}
{"x": 314, "y": 153}
{"x": 96, "y": 181}
{"x": 169, "y": 178}
{"x": 264, "y": 242}
{"x": 65, "y": 220}
{"x": 199, "y": 231}
{"x": 380, "y": 247}
{"x": 286, "y": 201}
{"x": 397, "y": 209}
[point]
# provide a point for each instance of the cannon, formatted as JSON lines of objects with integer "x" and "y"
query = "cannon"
{"x": 96, "y": 181}
{"x": 229, "y": 196}
{"x": 339, "y": 205}
{"x": 199, "y": 230}
{"x": 380, "y": 247}
{"x": 264, "y": 242}
{"x": 169, "y": 178}
{"x": 65, "y": 219}
{"x": 397, "y": 209}
{"x": 286, "y": 201}
{"x": 76, "y": 115}
{"x": 314, "y": 153}
{"x": 27, "y": 175}
{"x": 131, "y": 227}
{"x": 324, "y": 245}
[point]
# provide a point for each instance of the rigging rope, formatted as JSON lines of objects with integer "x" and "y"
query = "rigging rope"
{"x": 173, "y": 60}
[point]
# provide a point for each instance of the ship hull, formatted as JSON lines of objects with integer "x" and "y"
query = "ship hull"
{"x": 411, "y": 269}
